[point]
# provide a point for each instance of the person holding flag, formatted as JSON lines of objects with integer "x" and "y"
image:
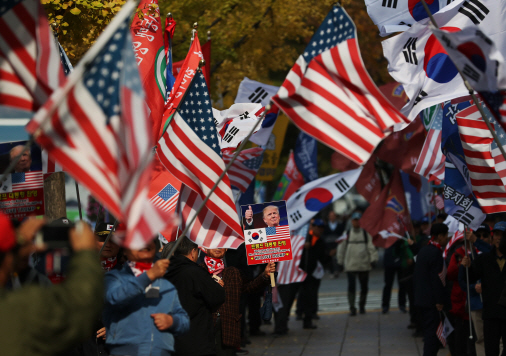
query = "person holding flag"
{"x": 429, "y": 284}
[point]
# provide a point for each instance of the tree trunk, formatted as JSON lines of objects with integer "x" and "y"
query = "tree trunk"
{"x": 54, "y": 197}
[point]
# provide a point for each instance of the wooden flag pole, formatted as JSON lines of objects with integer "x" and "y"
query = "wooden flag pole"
{"x": 220, "y": 178}
{"x": 470, "y": 89}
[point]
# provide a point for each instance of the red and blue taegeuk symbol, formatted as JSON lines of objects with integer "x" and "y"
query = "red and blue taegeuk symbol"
{"x": 255, "y": 236}
{"x": 317, "y": 199}
{"x": 437, "y": 64}
{"x": 474, "y": 53}
{"x": 418, "y": 12}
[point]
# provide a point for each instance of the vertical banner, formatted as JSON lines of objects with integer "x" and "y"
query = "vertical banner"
{"x": 22, "y": 194}
{"x": 306, "y": 156}
{"x": 273, "y": 150}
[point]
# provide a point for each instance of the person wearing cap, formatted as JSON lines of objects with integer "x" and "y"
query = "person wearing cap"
{"x": 357, "y": 255}
{"x": 312, "y": 261}
{"x": 109, "y": 254}
{"x": 429, "y": 281}
{"x": 142, "y": 312}
{"x": 489, "y": 268}
{"x": 34, "y": 319}
{"x": 484, "y": 238}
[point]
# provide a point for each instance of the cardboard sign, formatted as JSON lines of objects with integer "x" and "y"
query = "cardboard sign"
{"x": 22, "y": 194}
{"x": 266, "y": 233}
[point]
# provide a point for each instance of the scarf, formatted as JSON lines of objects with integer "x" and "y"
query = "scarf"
{"x": 432, "y": 242}
{"x": 313, "y": 238}
{"x": 139, "y": 268}
{"x": 214, "y": 265}
{"x": 108, "y": 263}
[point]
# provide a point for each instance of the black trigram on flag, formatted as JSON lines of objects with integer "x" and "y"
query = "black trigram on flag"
{"x": 244, "y": 115}
{"x": 295, "y": 216}
{"x": 471, "y": 73}
{"x": 475, "y": 10}
{"x": 389, "y": 3}
{"x": 409, "y": 51}
{"x": 463, "y": 216}
{"x": 342, "y": 185}
{"x": 420, "y": 97}
{"x": 230, "y": 134}
{"x": 258, "y": 95}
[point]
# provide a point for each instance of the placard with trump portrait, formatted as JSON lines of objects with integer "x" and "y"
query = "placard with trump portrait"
{"x": 266, "y": 232}
{"x": 22, "y": 193}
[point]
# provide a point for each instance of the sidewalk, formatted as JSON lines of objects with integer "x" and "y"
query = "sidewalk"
{"x": 339, "y": 334}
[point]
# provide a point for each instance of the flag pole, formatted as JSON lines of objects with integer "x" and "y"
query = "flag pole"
{"x": 470, "y": 89}
{"x": 79, "y": 201}
{"x": 220, "y": 178}
{"x": 467, "y": 284}
{"x": 194, "y": 31}
{"x": 109, "y": 236}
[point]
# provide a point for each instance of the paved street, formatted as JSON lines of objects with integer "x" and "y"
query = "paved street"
{"x": 340, "y": 334}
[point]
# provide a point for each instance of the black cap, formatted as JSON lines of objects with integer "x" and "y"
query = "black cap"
{"x": 485, "y": 228}
{"x": 61, "y": 222}
{"x": 438, "y": 228}
{"x": 103, "y": 228}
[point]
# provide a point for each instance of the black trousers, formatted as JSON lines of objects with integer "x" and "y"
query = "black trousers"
{"x": 493, "y": 331}
{"x": 287, "y": 293}
{"x": 363, "y": 279}
{"x": 309, "y": 298}
{"x": 254, "y": 304}
{"x": 390, "y": 273}
{"x": 431, "y": 319}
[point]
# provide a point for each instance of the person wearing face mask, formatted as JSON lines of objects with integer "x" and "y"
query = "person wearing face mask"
{"x": 228, "y": 338}
{"x": 489, "y": 268}
{"x": 200, "y": 296}
{"x": 142, "y": 311}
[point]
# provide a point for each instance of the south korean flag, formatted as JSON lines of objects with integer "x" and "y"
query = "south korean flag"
{"x": 255, "y": 236}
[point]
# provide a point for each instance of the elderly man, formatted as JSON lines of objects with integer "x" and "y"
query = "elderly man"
{"x": 270, "y": 216}
{"x": 24, "y": 162}
{"x": 200, "y": 295}
{"x": 142, "y": 312}
{"x": 358, "y": 255}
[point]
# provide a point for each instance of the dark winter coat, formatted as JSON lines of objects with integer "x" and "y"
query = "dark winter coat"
{"x": 200, "y": 296}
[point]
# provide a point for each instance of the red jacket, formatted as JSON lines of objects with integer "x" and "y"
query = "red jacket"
{"x": 458, "y": 296}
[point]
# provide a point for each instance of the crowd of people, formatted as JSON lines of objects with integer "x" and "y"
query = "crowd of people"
{"x": 145, "y": 302}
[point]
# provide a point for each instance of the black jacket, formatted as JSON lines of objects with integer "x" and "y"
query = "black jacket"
{"x": 200, "y": 295}
{"x": 493, "y": 280}
{"x": 310, "y": 257}
{"x": 429, "y": 289}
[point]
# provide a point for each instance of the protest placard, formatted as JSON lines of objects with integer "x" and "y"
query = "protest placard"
{"x": 266, "y": 232}
{"x": 22, "y": 194}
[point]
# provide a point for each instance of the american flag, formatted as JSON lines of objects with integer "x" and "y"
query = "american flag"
{"x": 487, "y": 170}
{"x": 329, "y": 94}
{"x": 441, "y": 334}
{"x": 27, "y": 180}
{"x": 190, "y": 150}
{"x": 100, "y": 133}
{"x": 457, "y": 236}
{"x": 442, "y": 274}
{"x": 48, "y": 165}
{"x": 208, "y": 230}
{"x": 289, "y": 271}
{"x": 166, "y": 199}
{"x": 431, "y": 162}
{"x": 28, "y": 55}
{"x": 267, "y": 234}
{"x": 244, "y": 168}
